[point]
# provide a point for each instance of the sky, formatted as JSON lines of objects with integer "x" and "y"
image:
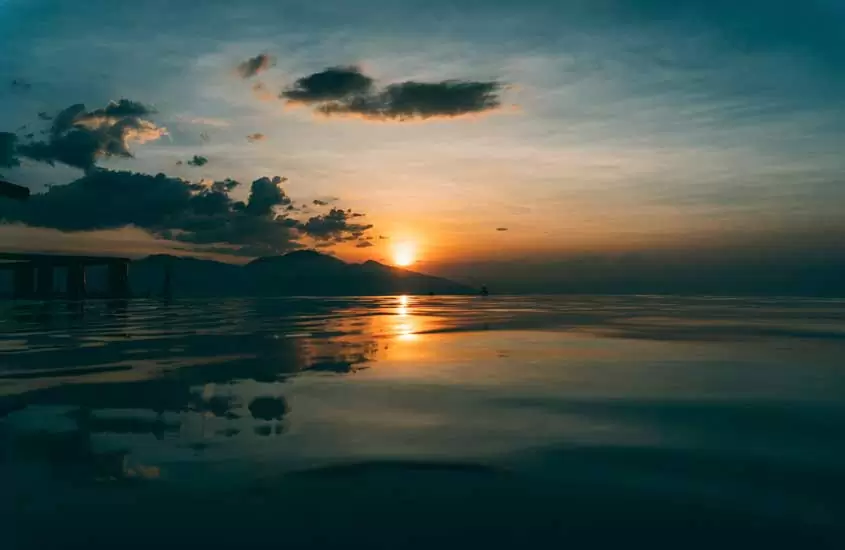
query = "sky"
{"x": 494, "y": 136}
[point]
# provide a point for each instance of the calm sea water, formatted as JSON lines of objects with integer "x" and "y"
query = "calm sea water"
{"x": 419, "y": 421}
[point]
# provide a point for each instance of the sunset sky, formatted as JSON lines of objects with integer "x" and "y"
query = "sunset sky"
{"x": 540, "y": 129}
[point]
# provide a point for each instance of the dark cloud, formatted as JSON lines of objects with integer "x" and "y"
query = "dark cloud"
{"x": 8, "y": 150}
{"x": 225, "y": 186}
{"x": 44, "y": 116}
{"x": 255, "y": 65}
{"x": 383, "y": 237}
{"x": 501, "y": 229}
{"x": 78, "y": 148}
{"x": 79, "y": 137}
{"x": 177, "y": 209}
{"x": 334, "y": 226}
{"x": 198, "y": 161}
{"x": 64, "y": 120}
{"x": 317, "y": 202}
{"x": 201, "y": 213}
{"x": 123, "y": 108}
{"x": 347, "y": 91}
{"x": 364, "y": 244}
{"x": 257, "y": 136}
{"x": 150, "y": 202}
{"x": 266, "y": 195}
{"x": 12, "y": 191}
{"x": 411, "y": 100}
{"x": 332, "y": 84}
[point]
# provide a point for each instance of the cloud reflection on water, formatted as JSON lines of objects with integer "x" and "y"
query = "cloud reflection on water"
{"x": 172, "y": 372}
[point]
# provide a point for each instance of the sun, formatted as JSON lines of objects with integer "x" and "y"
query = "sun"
{"x": 404, "y": 254}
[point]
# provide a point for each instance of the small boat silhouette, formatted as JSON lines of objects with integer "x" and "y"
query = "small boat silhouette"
{"x": 484, "y": 291}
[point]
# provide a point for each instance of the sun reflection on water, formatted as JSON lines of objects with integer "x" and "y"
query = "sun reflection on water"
{"x": 402, "y": 309}
{"x": 405, "y": 326}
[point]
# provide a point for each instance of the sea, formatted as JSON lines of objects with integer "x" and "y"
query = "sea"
{"x": 423, "y": 422}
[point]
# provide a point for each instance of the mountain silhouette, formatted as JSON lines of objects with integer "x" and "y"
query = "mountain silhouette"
{"x": 299, "y": 273}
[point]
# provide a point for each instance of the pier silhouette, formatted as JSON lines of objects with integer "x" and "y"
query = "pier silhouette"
{"x": 34, "y": 274}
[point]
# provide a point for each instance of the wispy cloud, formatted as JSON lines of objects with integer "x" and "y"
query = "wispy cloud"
{"x": 204, "y": 121}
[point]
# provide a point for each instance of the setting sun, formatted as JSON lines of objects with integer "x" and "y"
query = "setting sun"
{"x": 404, "y": 254}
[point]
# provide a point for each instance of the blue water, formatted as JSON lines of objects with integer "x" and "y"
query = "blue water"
{"x": 423, "y": 421}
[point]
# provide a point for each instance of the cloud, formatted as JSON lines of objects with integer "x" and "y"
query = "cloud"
{"x": 44, "y": 116}
{"x": 8, "y": 150}
{"x": 79, "y": 137}
{"x": 204, "y": 121}
{"x": 364, "y": 244}
{"x": 123, "y": 108}
{"x": 175, "y": 209}
{"x": 266, "y": 195}
{"x": 346, "y": 91}
{"x": 257, "y": 136}
{"x": 317, "y": 202}
{"x": 334, "y": 226}
{"x": 198, "y": 161}
{"x": 149, "y": 202}
{"x": 179, "y": 210}
{"x": 332, "y": 84}
{"x": 501, "y": 229}
{"x": 255, "y": 65}
{"x": 411, "y": 100}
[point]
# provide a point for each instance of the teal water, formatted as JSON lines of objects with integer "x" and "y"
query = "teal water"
{"x": 418, "y": 421}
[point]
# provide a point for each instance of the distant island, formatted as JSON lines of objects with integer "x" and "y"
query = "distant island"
{"x": 298, "y": 273}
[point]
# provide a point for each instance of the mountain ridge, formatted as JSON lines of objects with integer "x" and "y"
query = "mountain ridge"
{"x": 302, "y": 272}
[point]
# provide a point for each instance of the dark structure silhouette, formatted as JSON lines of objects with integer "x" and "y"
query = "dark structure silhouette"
{"x": 34, "y": 274}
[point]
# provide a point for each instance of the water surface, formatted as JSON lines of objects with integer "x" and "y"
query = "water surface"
{"x": 414, "y": 421}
